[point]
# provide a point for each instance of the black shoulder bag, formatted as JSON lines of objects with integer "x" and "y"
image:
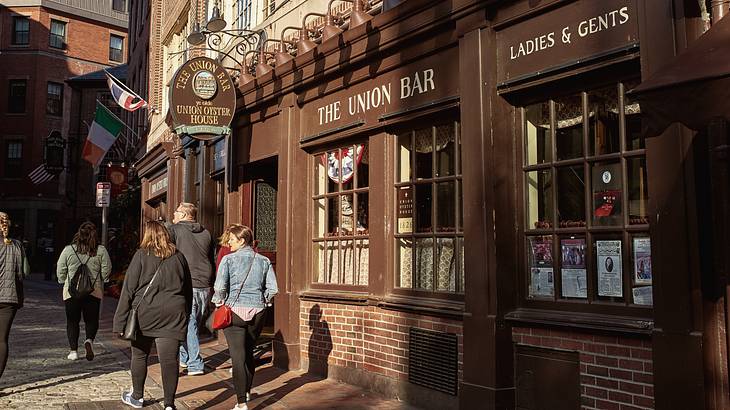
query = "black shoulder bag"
{"x": 132, "y": 327}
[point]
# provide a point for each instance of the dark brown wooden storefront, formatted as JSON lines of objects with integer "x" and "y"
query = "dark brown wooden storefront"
{"x": 463, "y": 210}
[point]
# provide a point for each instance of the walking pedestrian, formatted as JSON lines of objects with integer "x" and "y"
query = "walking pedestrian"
{"x": 245, "y": 282}
{"x": 84, "y": 250}
{"x": 13, "y": 268}
{"x": 158, "y": 284}
{"x": 196, "y": 245}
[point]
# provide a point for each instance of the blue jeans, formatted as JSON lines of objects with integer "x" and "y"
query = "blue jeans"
{"x": 190, "y": 349}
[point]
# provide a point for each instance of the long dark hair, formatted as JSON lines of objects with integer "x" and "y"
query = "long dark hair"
{"x": 85, "y": 239}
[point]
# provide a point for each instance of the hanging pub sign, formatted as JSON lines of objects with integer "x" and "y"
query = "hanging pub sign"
{"x": 202, "y": 99}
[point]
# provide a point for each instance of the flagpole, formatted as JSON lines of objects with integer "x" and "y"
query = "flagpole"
{"x": 117, "y": 118}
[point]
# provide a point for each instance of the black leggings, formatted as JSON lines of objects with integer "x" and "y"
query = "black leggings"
{"x": 241, "y": 337}
{"x": 7, "y": 314}
{"x": 89, "y": 306}
{"x": 167, "y": 350}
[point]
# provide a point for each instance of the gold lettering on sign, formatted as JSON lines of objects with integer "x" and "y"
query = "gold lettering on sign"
{"x": 182, "y": 79}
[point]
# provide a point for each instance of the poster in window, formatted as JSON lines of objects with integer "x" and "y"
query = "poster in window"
{"x": 642, "y": 261}
{"x": 573, "y": 268}
{"x": 541, "y": 266}
{"x": 643, "y": 295}
{"x": 607, "y": 209}
{"x": 608, "y": 254}
{"x": 405, "y": 209}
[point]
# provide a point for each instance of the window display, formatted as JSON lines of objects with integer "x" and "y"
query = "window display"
{"x": 585, "y": 188}
{"x": 429, "y": 245}
{"x": 341, "y": 244}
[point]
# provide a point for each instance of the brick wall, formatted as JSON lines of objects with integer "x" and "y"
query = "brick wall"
{"x": 365, "y": 337}
{"x": 615, "y": 372}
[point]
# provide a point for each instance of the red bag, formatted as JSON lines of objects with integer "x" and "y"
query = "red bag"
{"x": 222, "y": 317}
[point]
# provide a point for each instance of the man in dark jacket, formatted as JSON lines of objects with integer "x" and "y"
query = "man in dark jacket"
{"x": 196, "y": 244}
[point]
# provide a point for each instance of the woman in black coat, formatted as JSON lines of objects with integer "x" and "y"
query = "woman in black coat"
{"x": 162, "y": 314}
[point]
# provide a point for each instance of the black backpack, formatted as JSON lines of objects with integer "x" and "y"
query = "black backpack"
{"x": 81, "y": 284}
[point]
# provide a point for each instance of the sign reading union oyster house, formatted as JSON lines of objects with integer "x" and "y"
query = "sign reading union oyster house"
{"x": 567, "y": 35}
{"x": 202, "y": 99}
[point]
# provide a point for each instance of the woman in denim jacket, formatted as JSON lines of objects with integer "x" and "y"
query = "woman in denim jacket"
{"x": 246, "y": 282}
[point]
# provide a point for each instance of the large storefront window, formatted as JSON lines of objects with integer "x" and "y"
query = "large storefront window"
{"x": 586, "y": 233}
{"x": 429, "y": 230}
{"x": 341, "y": 241}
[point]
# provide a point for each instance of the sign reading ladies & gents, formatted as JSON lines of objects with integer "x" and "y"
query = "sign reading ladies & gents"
{"x": 202, "y": 99}
{"x": 567, "y": 35}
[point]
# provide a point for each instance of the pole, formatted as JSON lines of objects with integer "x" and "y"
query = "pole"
{"x": 104, "y": 223}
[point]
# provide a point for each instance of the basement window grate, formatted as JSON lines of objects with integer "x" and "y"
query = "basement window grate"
{"x": 433, "y": 360}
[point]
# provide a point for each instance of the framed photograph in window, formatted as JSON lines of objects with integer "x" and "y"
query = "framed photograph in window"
{"x": 574, "y": 279}
{"x": 642, "y": 261}
{"x": 610, "y": 272}
{"x": 542, "y": 282}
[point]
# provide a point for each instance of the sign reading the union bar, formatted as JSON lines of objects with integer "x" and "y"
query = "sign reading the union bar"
{"x": 567, "y": 35}
{"x": 202, "y": 99}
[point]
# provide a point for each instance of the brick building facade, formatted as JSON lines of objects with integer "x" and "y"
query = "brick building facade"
{"x": 460, "y": 200}
{"x": 43, "y": 45}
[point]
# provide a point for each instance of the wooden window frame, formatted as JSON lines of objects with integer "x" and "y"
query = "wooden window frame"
{"x": 625, "y": 231}
{"x": 338, "y": 238}
{"x": 52, "y": 35}
{"x": 112, "y": 49}
{"x": 60, "y": 99}
{"x": 457, "y": 234}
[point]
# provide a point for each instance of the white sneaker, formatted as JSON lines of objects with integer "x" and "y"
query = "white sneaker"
{"x": 238, "y": 407}
{"x": 195, "y": 372}
{"x": 72, "y": 355}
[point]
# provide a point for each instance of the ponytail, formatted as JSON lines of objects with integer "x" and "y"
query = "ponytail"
{"x": 5, "y": 227}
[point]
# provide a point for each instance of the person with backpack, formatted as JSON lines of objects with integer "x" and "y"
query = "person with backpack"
{"x": 13, "y": 268}
{"x": 82, "y": 268}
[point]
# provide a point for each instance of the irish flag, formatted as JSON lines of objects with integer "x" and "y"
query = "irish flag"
{"x": 103, "y": 132}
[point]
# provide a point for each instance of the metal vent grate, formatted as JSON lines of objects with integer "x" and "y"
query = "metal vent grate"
{"x": 433, "y": 360}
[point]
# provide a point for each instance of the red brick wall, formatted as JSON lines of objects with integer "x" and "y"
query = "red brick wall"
{"x": 615, "y": 372}
{"x": 366, "y": 337}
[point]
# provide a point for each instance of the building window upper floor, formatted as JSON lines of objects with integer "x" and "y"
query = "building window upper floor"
{"x": 57, "y": 37}
{"x": 13, "y": 158}
{"x": 54, "y": 102}
{"x": 116, "y": 48}
{"x": 21, "y": 30}
{"x": 16, "y": 96}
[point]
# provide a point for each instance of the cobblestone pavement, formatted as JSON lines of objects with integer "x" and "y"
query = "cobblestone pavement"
{"x": 38, "y": 375}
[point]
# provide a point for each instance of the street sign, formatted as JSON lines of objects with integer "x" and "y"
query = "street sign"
{"x": 103, "y": 193}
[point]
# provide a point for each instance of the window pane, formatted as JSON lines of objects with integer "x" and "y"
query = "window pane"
{"x": 569, "y": 127}
{"x": 332, "y": 262}
{"x": 603, "y": 120}
{"x": 424, "y": 264}
{"x": 363, "y": 168}
{"x": 446, "y": 209}
{"x": 638, "y": 191}
{"x": 54, "y": 103}
{"x": 347, "y": 214}
{"x": 333, "y": 216}
{"x": 320, "y": 222}
{"x": 607, "y": 200}
{"x": 348, "y": 262}
{"x": 405, "y": 262}
{"x": 424, "y": 149}
{"x": 57, "y": 34}
{"x": 632, "y": 112}
{"x": 119, "y": 5}
{"x": 538, "y": 148}
{"x": 362, "y": 213}
{"x": 332, "y": 165}
{"x": 540, "y": 265}
{"x": 446, "y": 265}
{"x": 609, "y": 267}
{"x": 539, "y": 199}
{"x": 362, "y": 257}
{"x": 574, "y": 279}
{"x": 404, "y": 158}
{"x": 445, "y": 156}
{"x": 320, "y": 175}
{"x": 424, "y": 200}
{"x": 571, "y": 197}
{"x": 404, "y": 210}
{"x": 21, "y": 30}
{"x": 348, "y": 163}
{"x": 16, "y": 96}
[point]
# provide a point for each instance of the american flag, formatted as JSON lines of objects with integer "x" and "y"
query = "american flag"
{"x": 40, "y": 175}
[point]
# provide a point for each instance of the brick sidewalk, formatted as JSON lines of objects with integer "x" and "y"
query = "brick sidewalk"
{"x": 273, "y": 388}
